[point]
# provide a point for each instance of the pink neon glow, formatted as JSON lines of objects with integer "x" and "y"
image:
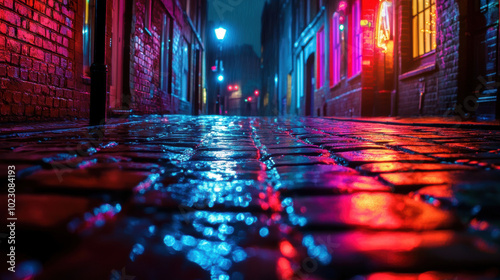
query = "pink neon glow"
{"x": 335, "y": 52}
{"x": 320, "y": 59}
{"x": 342, "y": 5}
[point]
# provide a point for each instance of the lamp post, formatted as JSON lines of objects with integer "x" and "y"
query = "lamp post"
{"x": 220, "y": 33}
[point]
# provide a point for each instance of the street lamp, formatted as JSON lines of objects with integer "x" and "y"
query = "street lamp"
{"x": 220, "y": 33}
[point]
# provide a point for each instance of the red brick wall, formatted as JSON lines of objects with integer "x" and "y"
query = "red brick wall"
{"x": 41, "y": 60}
{"x": 146, "y": 60}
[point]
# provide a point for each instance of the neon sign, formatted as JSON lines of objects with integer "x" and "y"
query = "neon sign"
{"x": 384, "y": 25}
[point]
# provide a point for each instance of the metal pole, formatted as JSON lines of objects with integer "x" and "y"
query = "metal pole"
{"x": 99, "y": 69}
{"x": 219, "y": 89}
{"x": 217, "y": 101}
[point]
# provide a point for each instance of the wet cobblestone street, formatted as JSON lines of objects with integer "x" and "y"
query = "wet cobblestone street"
{"x": 182, "y": 197}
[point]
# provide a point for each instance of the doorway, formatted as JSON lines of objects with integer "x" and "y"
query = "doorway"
{"x": 310, "y": 85}
{"x": 481, "y": 95}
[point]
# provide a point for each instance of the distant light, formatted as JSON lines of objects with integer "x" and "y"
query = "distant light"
{"x": 214, "y": 68}
{"x": 220, "y": 33}
{"x": 169, "y": 240}
{"x": 220, "y": 78}
{"x": 246, "y": 100}
{"x": 250, "y": 99}
{"x": 365, "y": 22}
{"x": 341, "y": 19}
{"x": 264, "y": 232}
{"x": 256, "y": 93}
{"x": 276, "y": 78}
{"x": 341, "y": 27}
{"x": 342, "y": 5}
{"x": 230, "y": 87}
{"x": 236, "y": 87}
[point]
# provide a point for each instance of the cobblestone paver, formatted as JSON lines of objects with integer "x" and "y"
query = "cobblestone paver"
{"x": 182, "y": 197}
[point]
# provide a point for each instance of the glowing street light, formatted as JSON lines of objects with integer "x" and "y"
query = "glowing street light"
{"x": 256, "y": 93}
{"x": 220, "y": 33}
{"x": 236, "y": 87}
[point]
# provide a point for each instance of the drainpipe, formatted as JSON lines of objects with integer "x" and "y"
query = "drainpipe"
{"x": 421, "y": 90}
{"x": 395, "y": 93}
{"x": 99, "y": 69}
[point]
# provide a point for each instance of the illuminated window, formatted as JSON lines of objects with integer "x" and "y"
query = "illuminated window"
{"x": 165, "y": 43}
{"x": 424, "y": 26}
{"x": 147, "y": 16}
{"x": 185, "y": 70}
{"x": 356, "y": 38}
{"x": 335, "y": 50}
{"x": 320, "y": 57}
{"x": 88, "y": 36}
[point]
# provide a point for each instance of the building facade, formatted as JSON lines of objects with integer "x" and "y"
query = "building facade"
{"x": 381, "y": 58}
{"x": 154, "y": 54}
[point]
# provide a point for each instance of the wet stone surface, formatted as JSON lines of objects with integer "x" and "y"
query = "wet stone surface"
{"x": 180, "y": 197}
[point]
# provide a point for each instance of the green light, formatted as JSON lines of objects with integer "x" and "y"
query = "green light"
{"x": 246, "y": 100}
{"x": 341, "y": 27}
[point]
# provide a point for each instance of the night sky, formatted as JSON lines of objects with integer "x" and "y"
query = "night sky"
{"x": 241, "y": 18}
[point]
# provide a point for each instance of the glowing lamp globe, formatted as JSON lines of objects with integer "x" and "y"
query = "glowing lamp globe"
{"x": 220, "y": 33}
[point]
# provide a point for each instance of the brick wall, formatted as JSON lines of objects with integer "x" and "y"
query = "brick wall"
{"x": 439, "y": 83}
{"x": 147, "y": 95}
{"x": 41, "y": 60}
{"x": 146, "y": 58}
{"x": 447, "y": 51}
{"x": 36, "y": 60}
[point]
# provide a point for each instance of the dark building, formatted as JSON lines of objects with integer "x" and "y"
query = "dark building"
{"x": 270, "y": 96}
{"x": 242, "y": 79}
{"x": 380, "y": 58}
{"x": 154, "y": 53}
{"x": 241, "y": 71}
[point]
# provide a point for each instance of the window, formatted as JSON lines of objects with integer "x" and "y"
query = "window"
{"x": 300, "y": 80}
{"x": 335, "y": 51}
{"x": 356, "y": 37}
{"x": 185, "y": 70}
{"x": 147, "y": 16}
{"x": 165, "y": 43}
{"x": 424, "y": 26}
{"x": 88, "y": 36}
{"x": 320, "y": 58}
